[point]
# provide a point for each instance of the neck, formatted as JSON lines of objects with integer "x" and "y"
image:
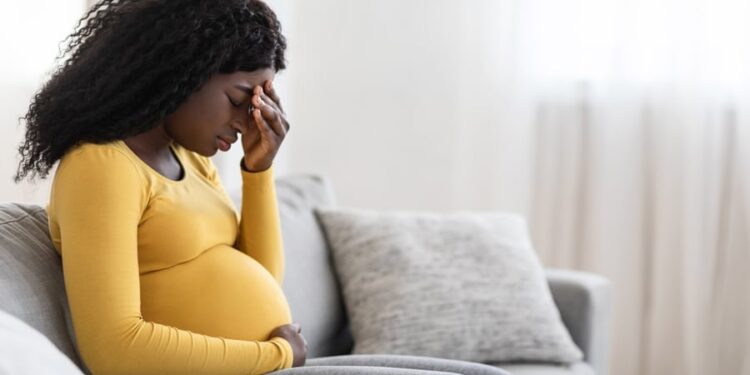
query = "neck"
{"x": 154, "y": 142}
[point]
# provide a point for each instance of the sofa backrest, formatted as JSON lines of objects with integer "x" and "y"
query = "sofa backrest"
{"x": 32, "y": 286}
{"x": 31, "y": 280}
{"x": 310, "y": 282}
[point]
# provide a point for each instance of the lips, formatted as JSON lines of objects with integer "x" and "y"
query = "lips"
{"x": 225, "y": 143}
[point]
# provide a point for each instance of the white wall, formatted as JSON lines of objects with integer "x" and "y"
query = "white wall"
{"x": 30, "y": 32}
{"x": 380, "y": 93}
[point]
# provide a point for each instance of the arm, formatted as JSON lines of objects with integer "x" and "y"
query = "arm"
{"x": 260, "y": 227}
{"x": 98, "y": 219}
{"x": 585, "y": 307}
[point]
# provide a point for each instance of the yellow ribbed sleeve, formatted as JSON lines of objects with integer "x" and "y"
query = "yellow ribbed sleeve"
{"x": 97, "y": 207}
{"x": 260, "y": 213}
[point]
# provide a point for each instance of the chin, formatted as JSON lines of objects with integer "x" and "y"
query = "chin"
{"x": 207, "y": 152}
{"x": 212, "y": 150}
{"x": 210, "y": 153}
{"x": 207, "y": 149}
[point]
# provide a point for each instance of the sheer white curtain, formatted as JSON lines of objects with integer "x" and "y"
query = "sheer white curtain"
{"x": 642, "y": 129}
{"x": 620, "y": 128}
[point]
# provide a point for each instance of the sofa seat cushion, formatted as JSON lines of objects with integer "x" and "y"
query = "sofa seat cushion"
{"x": 576, "y": 368}
{"x": 405, "y": 362}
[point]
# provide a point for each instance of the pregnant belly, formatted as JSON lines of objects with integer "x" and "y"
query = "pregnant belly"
{"x": 222, "y": 292}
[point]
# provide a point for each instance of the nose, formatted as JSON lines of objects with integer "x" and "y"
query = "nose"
{"x": 242, "y": 121}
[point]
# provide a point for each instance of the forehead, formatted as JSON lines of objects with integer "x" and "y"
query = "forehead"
{"x": 256, "y": 77}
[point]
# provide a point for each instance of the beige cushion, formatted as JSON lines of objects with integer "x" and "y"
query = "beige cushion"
{"x": 460, "y": 286}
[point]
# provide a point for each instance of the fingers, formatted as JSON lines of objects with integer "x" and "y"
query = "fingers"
{"x": 299, "y": 332}
{"x": 270, "y": 115}
{"x": 268, "y": 94}
{"x": 265, "y": 130}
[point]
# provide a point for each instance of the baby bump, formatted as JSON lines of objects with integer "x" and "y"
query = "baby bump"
{"x": 222, "y": 292}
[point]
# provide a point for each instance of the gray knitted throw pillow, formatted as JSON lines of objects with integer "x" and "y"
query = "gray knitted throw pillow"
{"x": 460, "y": 286}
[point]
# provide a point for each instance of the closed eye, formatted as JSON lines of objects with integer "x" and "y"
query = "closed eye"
{"x": 236, "y": 105}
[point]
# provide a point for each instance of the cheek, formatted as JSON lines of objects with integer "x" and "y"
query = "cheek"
{"x": 212, "y": 112}
{"x": 203, "y": 114}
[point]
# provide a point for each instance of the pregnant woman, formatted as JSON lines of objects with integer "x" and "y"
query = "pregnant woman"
{"x": 162, "y": 275}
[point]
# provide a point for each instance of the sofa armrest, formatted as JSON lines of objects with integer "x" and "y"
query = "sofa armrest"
{"x": 584, "y": 301}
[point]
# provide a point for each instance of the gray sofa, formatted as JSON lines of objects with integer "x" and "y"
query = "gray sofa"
{"x": 32, "y": 289}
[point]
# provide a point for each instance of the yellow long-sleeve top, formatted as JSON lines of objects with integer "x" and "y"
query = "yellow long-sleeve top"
{"x": 162, "y": 275}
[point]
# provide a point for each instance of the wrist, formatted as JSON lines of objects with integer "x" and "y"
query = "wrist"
{"x": 252, "y": 169}
{"x": 287, "y": 352}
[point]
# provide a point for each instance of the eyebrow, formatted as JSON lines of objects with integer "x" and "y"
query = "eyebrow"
{"x": 248, "y": 90}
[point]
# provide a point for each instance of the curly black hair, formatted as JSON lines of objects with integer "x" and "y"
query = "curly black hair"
{"x": 133, "y": 62}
